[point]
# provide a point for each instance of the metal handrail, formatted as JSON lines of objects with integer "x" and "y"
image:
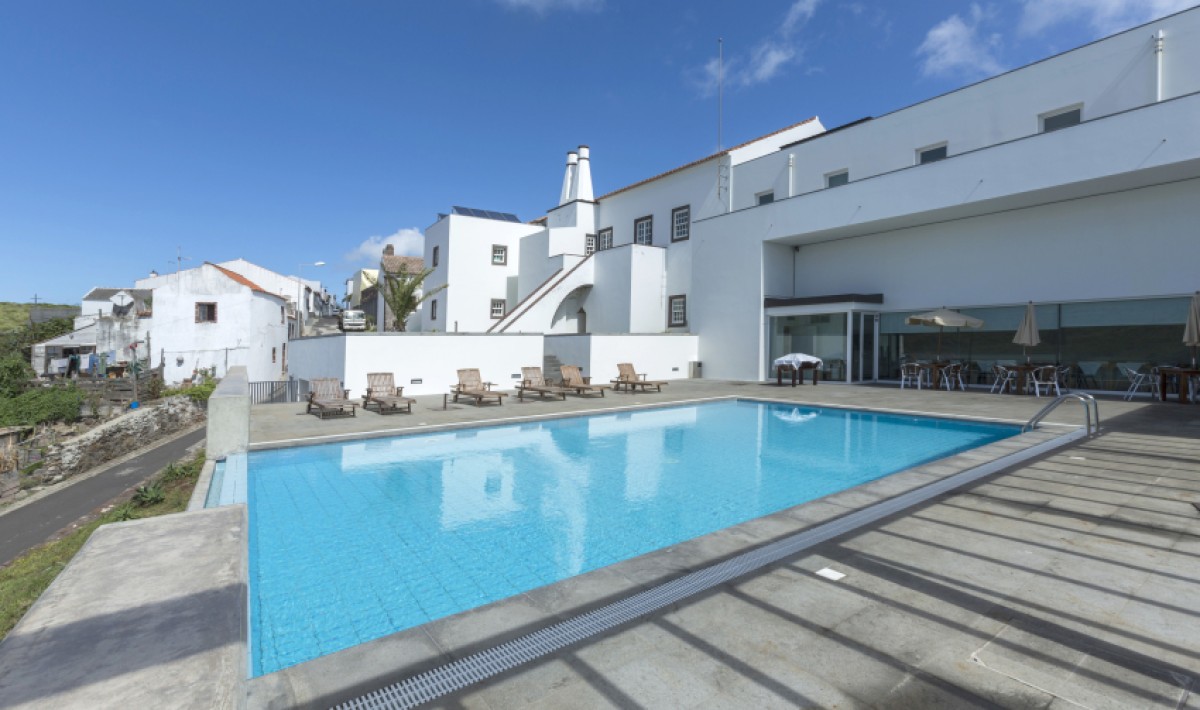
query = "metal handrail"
{"x": 1091, "y": 411}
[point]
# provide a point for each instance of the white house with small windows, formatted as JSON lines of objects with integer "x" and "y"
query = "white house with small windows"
{"x": 1073, "y": 183}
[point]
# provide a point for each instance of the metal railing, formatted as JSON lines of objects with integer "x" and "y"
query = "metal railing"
{"x": 1091, "y": 411}
{"x": 279, "y": 391}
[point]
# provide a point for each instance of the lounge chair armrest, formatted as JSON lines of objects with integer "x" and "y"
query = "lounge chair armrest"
{"x": 642, "y": 375}
{"x": 346, "y": 393}
{"x": 587, "y": 380}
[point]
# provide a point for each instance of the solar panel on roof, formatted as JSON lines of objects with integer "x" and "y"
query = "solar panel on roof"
{"x": 484, "y": 214}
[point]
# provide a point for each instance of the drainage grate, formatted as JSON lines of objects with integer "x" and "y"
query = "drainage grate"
{"x": 456, "y": 675}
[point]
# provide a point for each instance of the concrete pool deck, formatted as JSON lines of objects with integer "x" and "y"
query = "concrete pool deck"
{"x": 1069, "y": 579}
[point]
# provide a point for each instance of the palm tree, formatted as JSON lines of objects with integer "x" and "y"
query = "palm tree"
{"x": 399, "y": 292}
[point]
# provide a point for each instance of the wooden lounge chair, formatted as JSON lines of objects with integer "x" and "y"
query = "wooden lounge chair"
{"x": 532, "y": 381}
{"x": 470, "y": 384}
{"x": 574, "y": 381}
{"x": 327, "y": 397}
{"x": 383, "y": 392}
{"x": 631, "y": 379}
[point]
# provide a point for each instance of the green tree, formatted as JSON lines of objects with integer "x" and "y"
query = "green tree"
{"x": 15, "y": 373}
{"x": 399, "y": 292}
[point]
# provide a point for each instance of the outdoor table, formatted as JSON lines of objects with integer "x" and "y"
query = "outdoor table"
{"x": 1023, "y": 374}
{"x": 796, "y": 372}
{"x": 1183, "y": 373}
{"x": 935, "y": 372}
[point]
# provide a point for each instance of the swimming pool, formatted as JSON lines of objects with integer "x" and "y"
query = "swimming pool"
{"x": 353, "y": 541}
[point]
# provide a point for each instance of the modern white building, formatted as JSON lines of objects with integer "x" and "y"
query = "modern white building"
{"x": 1072, "y": 182}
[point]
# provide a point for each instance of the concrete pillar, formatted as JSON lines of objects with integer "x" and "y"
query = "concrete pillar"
{"x": 229, "y": 415}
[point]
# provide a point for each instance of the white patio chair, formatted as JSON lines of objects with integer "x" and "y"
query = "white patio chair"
{"x": 952, "y": 377}
{"x": 1155, "y": 380}
{"x": 912, "y": 373}
{"x": 1137, "y": 380}
{"x": 1005, "y": 379}
{"x": 1045, "y": 378}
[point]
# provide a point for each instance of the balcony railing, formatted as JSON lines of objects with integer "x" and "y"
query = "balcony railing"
{"x": 279, "y": 392}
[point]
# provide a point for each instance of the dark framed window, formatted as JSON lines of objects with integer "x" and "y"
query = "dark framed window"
{"x": 435, "y": 255}
{"x": 1061, "y": 118}
{"x": 643, "y": 230}
{"x": 765, "y": 198}
{"x": 206, "y": 313}
{"x": 840, "y": 177}
{"x": 605, "y": 239}
{"x": 681, "y": 223}
{"x": 498, "y": 306}
{"x": 433, "y": 309}
{"x": 589, "y": 245}
{"x": 932, "y": 154}
{"x": 272, "y": 355}
{"x": 676, "y": 311}
{"x": 499, "y": 254}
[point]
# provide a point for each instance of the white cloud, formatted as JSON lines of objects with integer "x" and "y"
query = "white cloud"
{"x": 957, "y": 46}
{"x": 407, "y": 242}
{"x": 1104, "y": 17}
{"x": 543, "y": 6}
{"x": 768, "y": 58}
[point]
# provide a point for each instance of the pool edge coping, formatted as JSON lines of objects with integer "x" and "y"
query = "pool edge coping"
{"x": 424, "y": 648}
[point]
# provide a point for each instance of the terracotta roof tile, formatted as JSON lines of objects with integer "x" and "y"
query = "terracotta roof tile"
{"x": 243, "y": 280}
{"x": 392, "y": 263}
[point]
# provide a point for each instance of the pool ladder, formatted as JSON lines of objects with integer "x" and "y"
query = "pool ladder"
{"x": 1091, "y": 411}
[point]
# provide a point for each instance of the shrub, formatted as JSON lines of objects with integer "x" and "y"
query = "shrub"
{"x": 41, "y": 406}
{"x": 154, "y": 388}
{"x": 14, "y": 375}
{"x": 149, "y": 494}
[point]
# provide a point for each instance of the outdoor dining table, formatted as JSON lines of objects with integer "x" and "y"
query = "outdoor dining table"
{"x": 796, "y": 372}
{"x": 1183, "y": 373}
{"x": 935, "y": 372}
{"x": 1023, "y": 371}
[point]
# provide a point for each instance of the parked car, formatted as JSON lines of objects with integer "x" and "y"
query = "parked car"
{"x": 352, "y": 320}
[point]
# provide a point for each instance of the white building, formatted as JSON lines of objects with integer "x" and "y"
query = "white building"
{"x": 1071, "y": 182}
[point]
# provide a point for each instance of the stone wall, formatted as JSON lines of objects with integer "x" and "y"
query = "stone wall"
{"x": 118, "y": 437}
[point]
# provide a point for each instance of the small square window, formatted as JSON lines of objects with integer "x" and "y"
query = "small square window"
{"x": 1062, "y": 118}
{"x": 499, "y": 254}
{"x": 681, "y": 223}
{"x": 206, "y": 313}
{"x": 498, "y": 305}
{"x": 643, "y": 231}
{"x": 932, "y": 154}
{"x": 435, "y": 256}
{"x": 765, "y": 198}
{"x": 676, "y": 311}
{"x": 606, "y": 239}
{"x": 433, "y": 309}
{"x": 589, "y": 245}
{"x": 839, "y": 177}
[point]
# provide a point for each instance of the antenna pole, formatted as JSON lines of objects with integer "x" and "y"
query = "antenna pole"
{"x": 720, "y": 88}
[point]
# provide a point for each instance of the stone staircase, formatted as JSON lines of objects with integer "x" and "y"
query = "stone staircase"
{"x": 551, "y": 367}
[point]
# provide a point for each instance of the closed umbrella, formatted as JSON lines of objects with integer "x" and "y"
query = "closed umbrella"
{"x": 1191, "y": 331}
{"x": 944, "y": 318}
{"x": 1027, "y": 334}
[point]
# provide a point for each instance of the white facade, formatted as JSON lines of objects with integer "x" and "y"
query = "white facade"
{"x": 206, "y": 318}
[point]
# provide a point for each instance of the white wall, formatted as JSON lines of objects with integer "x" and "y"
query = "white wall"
{"x": 660, "y": 356}
{"x": 647, "y": 294}
{"x": 434, "y": 358}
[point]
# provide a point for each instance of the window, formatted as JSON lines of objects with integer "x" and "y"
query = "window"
{"x": 499, "y": 254}
{"x": 605, "y": 239}
{"x": 1061, "y": 118}
{"x": 676, "y": 311}
{"x": 765, "y": 198}
{"x": 838, "y": 177}
{"x": 435, "y": 255}
{"x": 931, "y": 154}
{"x": 433, "y": 309}
{"x": 589, "y": 245}
{"x": 206, "y": 313}
{"x": 643, "y": 231}
{"x": 497, "y": 308}
{"x": 282, "y": 318}
{"x": 681, "y": 223}
{"x": 272, "y": 355}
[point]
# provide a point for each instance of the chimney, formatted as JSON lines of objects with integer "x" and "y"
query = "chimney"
{"x": 583, "y": 177}
{"x": 569, "y": 178}
{"x": 389, "y": 250}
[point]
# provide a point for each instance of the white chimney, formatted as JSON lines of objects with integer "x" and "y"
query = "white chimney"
{"x": 569, "y": 178}
{"x": 583, "y": 177}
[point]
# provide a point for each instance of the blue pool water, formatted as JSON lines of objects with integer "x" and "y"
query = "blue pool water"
{"x": 353, "y": 541}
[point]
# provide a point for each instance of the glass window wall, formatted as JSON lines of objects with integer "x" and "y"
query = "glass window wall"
{"x": 822, "y": 335}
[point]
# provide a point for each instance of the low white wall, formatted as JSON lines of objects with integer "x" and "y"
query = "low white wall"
{"x": 434, "y": 358}
{"x": 660, "y": 356}
{"x": 324, "y": 356}
{"x": 229, "y": 416}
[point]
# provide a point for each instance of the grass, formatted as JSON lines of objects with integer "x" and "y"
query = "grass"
{"x": 15, "y": 316}
{"x": 24, "y": 580}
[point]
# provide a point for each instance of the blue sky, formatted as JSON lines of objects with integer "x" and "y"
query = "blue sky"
{"x": 292, "y": 132}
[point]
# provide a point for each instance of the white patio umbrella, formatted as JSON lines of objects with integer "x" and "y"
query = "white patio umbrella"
{"x": 1027, "y": 333}
{"x": 944, "y": 318}
{"x": 1191, "y": 331}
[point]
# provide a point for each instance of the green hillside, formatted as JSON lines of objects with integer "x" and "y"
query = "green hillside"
{"x": 15, "y": 316}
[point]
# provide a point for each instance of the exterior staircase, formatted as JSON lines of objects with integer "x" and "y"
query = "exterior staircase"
{"x": 541, "y": 304}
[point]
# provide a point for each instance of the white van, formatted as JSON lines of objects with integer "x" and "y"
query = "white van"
{"x": 352, "y": 320}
